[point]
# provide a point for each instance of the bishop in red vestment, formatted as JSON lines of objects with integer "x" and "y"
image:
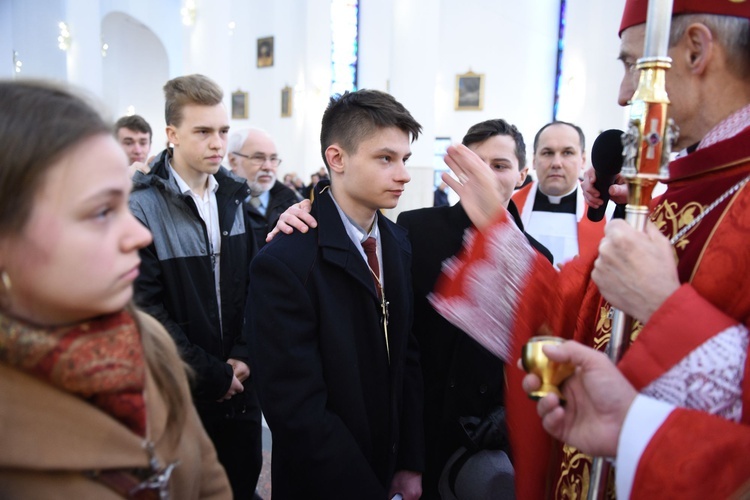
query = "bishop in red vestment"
{"x": 690, "y": 341}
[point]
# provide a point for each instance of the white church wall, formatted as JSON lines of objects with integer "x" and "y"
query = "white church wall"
{"x": 134, "y": 71}
{"x": 514, "y": 45}
{"x": 33, "y": 33}
{"x": 411, "y": 48}
{"x": 591, "y": 71}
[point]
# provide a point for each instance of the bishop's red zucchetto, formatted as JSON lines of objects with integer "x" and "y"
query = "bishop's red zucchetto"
{"x": 635, "y": 10}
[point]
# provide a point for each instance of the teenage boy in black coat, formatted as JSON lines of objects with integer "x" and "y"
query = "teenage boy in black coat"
{"x": 463, "y": 381}
{"x": 334, "y": 359}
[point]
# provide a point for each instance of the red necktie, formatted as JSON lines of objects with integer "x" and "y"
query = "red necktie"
{"x": 370, "y": 246}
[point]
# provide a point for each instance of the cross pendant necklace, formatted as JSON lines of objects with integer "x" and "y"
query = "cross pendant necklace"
{"x": 384, "y": 311}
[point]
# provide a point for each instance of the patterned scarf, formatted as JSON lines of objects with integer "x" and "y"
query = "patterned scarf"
{"x": 100, "y": 361}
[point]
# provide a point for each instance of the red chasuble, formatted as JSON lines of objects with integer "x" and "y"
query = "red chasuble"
{"x": 502, "y": 302}
{"x": 695, "y": 456}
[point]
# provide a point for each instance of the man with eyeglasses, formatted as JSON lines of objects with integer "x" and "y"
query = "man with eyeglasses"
{"x": 252, "y": 156}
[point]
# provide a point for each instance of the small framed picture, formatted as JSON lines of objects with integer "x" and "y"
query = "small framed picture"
{"x": 286, "y": 101}
{"x": 239, "y": 105}
{"x": 470, "y": 92}
{"x": 265, "y": 52}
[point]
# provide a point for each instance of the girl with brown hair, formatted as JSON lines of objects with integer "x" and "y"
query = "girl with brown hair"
{"x": 94, "y": 399}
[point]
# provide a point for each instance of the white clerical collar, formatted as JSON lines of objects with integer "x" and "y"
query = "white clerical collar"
{"x": 555, "y": 200}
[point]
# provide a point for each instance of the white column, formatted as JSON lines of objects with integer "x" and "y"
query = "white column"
{"x": 591, "y": 72}
{"x": 414, "y": 63}
{"x": 84, "y": 58}
{"x": 315, "y": 88}
{"x": 207, "y": 47}
{"x": 7, "y": 70}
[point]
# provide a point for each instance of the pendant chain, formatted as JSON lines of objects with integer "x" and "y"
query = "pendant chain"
{"x": 384, "y": 310}
{"x": 729, "y": 192}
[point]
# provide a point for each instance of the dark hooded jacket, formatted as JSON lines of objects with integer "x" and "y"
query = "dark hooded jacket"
{"x": 176, "y": 283}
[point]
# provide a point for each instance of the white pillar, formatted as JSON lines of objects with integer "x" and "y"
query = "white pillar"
{"x": 208, "y": 44}
{"x": 84, "y": 56}
{"x": 414, "y": 63}
{"x": 316, "y": 89}
{"x": 7, "y": 69}
{"x": 591, "y": 72}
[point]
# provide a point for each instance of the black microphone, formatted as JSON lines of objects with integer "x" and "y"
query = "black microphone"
{"x": 606, "y": 157}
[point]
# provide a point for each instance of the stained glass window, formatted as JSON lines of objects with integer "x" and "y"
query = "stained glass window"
{"x": 560, "y": 50}
{"x": 344, "y": 45}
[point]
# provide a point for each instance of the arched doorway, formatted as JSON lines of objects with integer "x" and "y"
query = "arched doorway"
{"x": 135, "y": 69}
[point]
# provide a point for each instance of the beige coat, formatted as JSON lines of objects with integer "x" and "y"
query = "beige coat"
{"x": 49, "y": 437}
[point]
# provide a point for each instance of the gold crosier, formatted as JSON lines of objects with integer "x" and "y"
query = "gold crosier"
{"x": 647, "y": 146}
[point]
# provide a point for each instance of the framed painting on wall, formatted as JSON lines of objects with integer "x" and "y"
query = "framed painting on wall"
{"x": 286, "y": 101}
{"x": 470, "y": 92}
{"x": 265, "y": 52}
{"x": 239, "y": 105}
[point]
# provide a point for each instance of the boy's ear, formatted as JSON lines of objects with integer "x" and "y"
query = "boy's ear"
{"x": 172, "y": 135}
{"x": 522, "y": 176}
{"x": 335, "y": 157}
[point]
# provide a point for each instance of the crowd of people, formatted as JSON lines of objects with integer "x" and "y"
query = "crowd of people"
{"x": 153, "y": 309}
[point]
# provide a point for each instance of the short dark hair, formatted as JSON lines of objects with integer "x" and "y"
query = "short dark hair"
{"x": 482, "y": 131}
{"x": 581, "y": 137}
{"x": 190, "y": 89}
{"x": 136, "y": 123}
{"x": 352, "y": 116}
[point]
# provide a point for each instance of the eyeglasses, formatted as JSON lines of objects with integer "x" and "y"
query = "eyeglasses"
{"x": 259, "y": 160}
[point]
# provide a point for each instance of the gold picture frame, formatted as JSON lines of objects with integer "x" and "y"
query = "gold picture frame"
{"x": 265, "y": 52}
{"x": 240, "y": 104}
{"x": 286, "y": 102}
{"x": 469, "y": 92}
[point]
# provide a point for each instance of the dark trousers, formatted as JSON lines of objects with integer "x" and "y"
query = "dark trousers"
{"x": 236, "y": 433}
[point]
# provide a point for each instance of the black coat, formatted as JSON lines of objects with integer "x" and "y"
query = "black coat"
{"x": 461, "y": 377}
{"x": 280, "y": 198}
{"x": 343, "y": 419}
{"x": 440, "y": 198}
